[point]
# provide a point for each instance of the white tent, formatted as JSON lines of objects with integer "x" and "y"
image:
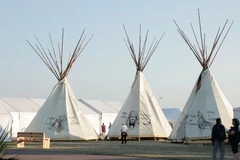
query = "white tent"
{"x": 107, "y": 112}
{"x": 60, "y": 117}
{"x": 206, "y": 101}
{"x": 172, "y": 115}
{"x": 22, "y": 110}
{"x": 5, "y": 120}
{"x": 141, "y": 111}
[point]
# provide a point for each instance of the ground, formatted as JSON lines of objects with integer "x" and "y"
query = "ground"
{"x": 104, "y": 149}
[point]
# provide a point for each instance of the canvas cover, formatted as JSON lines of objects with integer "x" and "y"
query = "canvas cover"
{"x": 201, "y": 110}
{"x": 141, "y": 113}
{"x": 92, "y": 117}
{"x": 60, "y": 117}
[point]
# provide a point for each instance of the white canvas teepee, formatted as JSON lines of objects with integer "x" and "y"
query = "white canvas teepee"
{"x": 141, "y": 111}
{"x": 60, "y": 117}
{"x": 206, "y": 102}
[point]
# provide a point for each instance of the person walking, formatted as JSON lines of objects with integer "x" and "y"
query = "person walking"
{"x": 110, "y": 124}
{"x": 218, "y": 138}
{"x": 103, "y": 127}
{"x": 124, "y": 133}
{"x": 234, "y": 137}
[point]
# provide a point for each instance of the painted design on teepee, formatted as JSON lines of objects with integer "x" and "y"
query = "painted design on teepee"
{"x": 145, "y": 119}
{"x": 206, "y": 101}
{"x": 196, "y": 120}
{"x": 132, "y": 120}
{"x": 203, "y": 124}
{"x": 58, "y": 124}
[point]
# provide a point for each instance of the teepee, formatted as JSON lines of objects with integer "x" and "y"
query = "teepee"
{"x": 141, "y": 111}
{"x": 206, "y": 102}
{"x": 60, "y": 117}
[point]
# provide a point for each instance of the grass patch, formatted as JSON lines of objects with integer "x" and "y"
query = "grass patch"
{"x": 146, "y": 149}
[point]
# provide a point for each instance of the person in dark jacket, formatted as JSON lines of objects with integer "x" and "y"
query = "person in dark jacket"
{"x": 234, "y": 137}
{"x": 218, "y": 138}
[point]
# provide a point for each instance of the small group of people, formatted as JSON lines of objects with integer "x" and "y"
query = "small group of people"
{"x": 219, "y": 136}
{"x": 123, "y": 130}
{"x": 103, "y": 128}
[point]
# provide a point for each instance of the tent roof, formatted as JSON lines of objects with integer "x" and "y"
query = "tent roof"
{"x": 20, "y": 104}
{"x": 86, "y": 109}
{"x": 115, "y": 104}
{"x": 3, "y": 105}
{"x": 12, "y": 104}
{"x": 99, "y": 106}
{"x": 38, "y": 101}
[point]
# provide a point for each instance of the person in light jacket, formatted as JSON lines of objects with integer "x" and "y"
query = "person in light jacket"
{"x": 123, "y": 130}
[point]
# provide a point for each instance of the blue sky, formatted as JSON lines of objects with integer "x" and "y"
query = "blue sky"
{"x": 105, "y": 70}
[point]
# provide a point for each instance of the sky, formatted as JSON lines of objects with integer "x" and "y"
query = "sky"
{"x": 105, "y": 70}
